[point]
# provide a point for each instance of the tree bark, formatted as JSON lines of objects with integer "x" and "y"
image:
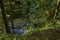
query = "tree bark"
{"x": 56, "y": 11}
{"x": 11, "y": 8}
{"x": 4, "y": 16}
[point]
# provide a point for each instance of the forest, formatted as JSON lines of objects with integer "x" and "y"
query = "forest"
{"x": 29, "y": 19}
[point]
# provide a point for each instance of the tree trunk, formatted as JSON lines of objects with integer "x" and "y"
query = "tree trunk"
{"x": 11, "y": 8}
{"x": 52, "y": 16}
{"x": 56, "y": 11}
{"x": 4, "y": 16}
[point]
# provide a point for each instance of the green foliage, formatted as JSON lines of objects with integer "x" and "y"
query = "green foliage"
{"x": 40, "y": 12}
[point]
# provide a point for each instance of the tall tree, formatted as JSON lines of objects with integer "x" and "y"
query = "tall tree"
{"x": 56, "y": 11}
{"x": 52, "y": 16}
{"x": 4, "y": 16}
{"x": 11, "y": 8}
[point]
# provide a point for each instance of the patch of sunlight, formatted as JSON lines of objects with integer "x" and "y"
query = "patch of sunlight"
{"x": 58, "y": 22}
{"x": 47, "y": 38}
{"x": 14, "y": 38}
{"x": 0, "y": 38}
{"x": 47, "y": 26}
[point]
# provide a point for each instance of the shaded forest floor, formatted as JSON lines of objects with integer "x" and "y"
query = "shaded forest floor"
{"x": 49, "y": 34}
